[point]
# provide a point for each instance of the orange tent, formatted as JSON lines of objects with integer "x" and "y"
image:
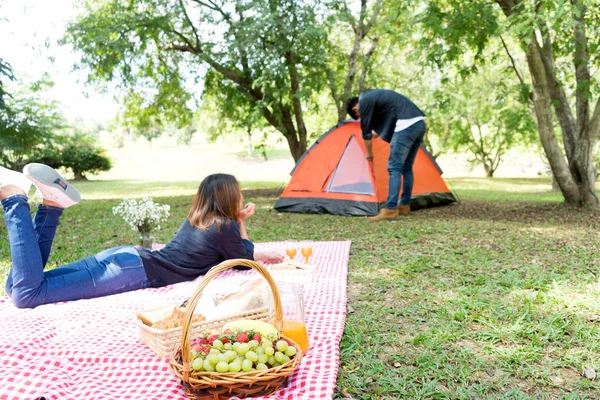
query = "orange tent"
{"x": 334, "y": 177}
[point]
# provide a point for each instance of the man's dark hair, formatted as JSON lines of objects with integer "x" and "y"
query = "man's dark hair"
{"x": 352, "y": 101}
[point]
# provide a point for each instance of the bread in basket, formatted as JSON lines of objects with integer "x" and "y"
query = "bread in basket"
{"x": 161, "y": 329}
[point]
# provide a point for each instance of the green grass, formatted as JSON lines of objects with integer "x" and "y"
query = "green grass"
{"x": 495, "y": 297}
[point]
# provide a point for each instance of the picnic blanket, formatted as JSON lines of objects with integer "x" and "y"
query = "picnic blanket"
{"x": 91, "y": 349}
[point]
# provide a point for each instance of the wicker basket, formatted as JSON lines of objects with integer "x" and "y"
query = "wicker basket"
{"x": 163, "y": 341}
{"x": 201, "y": 385}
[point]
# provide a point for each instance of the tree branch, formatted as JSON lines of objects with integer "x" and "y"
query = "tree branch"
{"x": 595, "y": 122}
{"x": 582, "y": 72}
{"x": 543, "y": 111}
{"x": 376, "y": 9}
{"x": 507, "y": 6}
{"x": 558, "y": 96}
{"x": 295, "y": 86}
{"x": 184, "y": 39}
{"x": 332, "y": 86}
{"x": 230, "y": 74}
{"x": 243, "y": 53}
{"x": 365, "y": 66}
{"x": 352, "y": 62}
{"x": 189, "y": 21}
{"x": 512, "y": 61}
{"x": 363, "y": 12}
{"x": 185, "y": 48}
{"x": 212, "y": 6}
{"x": 351, "y": 19}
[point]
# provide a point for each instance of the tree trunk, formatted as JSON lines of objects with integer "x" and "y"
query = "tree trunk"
{"x": 575, "y": 176}
{"x": 249, "y": 143}
{"x": 543, "y": 112}
{"x": 296, "y": 143}
{"x": 295, "y": 148}
{"x": 555, "y": 187}
{"x": 79, "y": 176}
{"x": 489, "y": 171}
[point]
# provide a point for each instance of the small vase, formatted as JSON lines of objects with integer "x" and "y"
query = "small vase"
{"x": 147, "y": 240}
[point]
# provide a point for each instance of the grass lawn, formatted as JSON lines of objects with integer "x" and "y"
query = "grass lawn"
{"x": 496, "y": 297}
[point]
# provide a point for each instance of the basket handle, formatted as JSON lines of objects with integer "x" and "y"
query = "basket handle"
{"x": 193, "y": 301}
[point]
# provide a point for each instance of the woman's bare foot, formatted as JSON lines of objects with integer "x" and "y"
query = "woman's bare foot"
{"x": 10, "y": 190}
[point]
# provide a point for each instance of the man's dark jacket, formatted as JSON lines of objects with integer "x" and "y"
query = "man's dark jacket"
{"x": 380, "y": 109}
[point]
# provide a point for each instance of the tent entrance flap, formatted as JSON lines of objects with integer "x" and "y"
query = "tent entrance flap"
{"x": 353, "y": 172}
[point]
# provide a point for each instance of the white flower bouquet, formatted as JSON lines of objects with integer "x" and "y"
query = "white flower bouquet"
{"x": 142, "y": 216}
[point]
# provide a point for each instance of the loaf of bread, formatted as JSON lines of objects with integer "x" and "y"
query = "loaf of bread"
{"x": 167, "y": 318}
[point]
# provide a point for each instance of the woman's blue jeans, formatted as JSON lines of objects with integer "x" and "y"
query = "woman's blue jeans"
{"x": 403, "y": 150}
{"x": 112, "y": 271}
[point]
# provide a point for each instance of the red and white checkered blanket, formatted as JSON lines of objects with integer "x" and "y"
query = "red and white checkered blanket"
{"x": 91, "y": 349}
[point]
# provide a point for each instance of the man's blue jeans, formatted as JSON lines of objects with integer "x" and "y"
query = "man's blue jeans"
{"x": 112, "y": 271}
{"x": 403, "y": 150}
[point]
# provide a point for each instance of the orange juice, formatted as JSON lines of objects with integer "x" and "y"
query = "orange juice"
{"x": 307, "y": 252}
{"x": 296, "y": 331}
{"x": 291, "y": 253}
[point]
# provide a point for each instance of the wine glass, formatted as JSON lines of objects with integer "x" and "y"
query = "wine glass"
{"x": 291, "y": 253}
{"x": 291, "y": 248}
{"x": 306, "y": 249}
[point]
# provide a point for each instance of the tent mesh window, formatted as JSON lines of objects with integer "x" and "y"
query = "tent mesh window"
{"x": 353, "y": 172}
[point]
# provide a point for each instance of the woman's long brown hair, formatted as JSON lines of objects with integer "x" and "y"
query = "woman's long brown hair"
{"x": 217, "y": 202}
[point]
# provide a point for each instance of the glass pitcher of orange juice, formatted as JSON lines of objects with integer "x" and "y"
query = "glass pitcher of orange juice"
{"x": 292, "y": 301}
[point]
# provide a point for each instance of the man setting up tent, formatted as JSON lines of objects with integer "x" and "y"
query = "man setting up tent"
{"x": 397, "y": 120}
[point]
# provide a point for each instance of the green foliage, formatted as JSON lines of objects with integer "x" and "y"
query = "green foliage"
{"x": 75, "y": 152}
{"x": 453, "y": 28}
{"x": 559, "y": 40}
{"x": 184, "y": 135}
{"x": 32, "y": 129}
{"x": 5, "y": 74}
{"x": 267, "y": 57}
{"x": 486, "y": 117}
{"x": 27, "y": 123}
{"x": 81, "y": 156}
{"x": 123, "y": 42}
{"x": 354, "y": 42}
{"x": 225, "y": 113}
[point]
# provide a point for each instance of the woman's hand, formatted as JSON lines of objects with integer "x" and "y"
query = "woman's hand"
{"x": 269, "y": 257}
{"x": 246, "y": 212}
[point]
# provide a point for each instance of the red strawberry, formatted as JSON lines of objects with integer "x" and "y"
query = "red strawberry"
{"x": 224, "y": 339}
{"x": 242, "y": 338}
{"x": 202, "y": 340}
{"x": 257, "y": 337}
{"x": 212, "y": 338}
{"x": 227, "y": 332}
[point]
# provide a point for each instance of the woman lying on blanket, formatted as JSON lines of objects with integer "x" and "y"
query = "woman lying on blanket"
{"x": 213, "y": 231}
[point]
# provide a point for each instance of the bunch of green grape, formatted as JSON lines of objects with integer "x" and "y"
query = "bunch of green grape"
{"x": 237, "y": 352}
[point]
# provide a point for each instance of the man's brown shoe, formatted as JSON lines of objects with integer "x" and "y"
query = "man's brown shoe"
{"x": 403, "y": 209}
{"x": 385, "y": 214}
